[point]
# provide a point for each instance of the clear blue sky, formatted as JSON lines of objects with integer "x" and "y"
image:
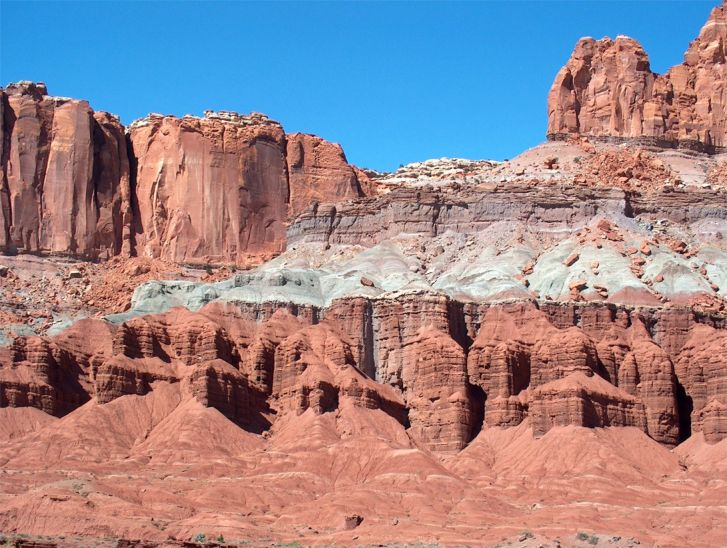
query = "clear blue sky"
{"x": 392, "y": 82}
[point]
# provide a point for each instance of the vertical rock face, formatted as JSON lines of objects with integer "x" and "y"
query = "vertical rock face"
{"x": 434, "y": 377}
{"x": 608, "y": 370}
{"x": 218, "y": 384}
{"x": 702, "y": 372}
{"x": 218, "y": 189}
{"x": 396, "y": 324}
{"x": 700, "y": 85}
{"x": 607, "y": 90}
{"x": 260, "y": 361}
{"x": 317, "y": 171}
{"x": 39, "y": 373}
{"x": 601, "y": 89}
{"x": 306, "y": 365}
{"x": 314, "y": 369}
{"x": 122, "y": 376}
{"x": 212, "y": 189}
{"x": 442, "y": 370}
{"x": 647, "y": 372}
{"x": 352, "y": 319}
{"x": 563, "y": 353}
{"x": 499, "y": 362}
{"x": 221, "y": 189}
{"x": 65, "y": 186}
{"x": 112, "y": 183}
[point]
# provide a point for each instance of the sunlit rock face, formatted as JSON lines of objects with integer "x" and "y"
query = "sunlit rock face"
{"x": 559, "y": 364}
{"x": 210, "y": 189}
{"x": 65, "y": 187}
{"x": 607, "y": 90}
{"x": 216, "y": 189}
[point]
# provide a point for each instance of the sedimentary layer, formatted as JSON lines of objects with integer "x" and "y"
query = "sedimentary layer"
{"x": 458, "y": 351}
{"x": 441, "y": 367}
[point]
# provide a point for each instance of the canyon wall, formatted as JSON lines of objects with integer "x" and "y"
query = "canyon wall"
{"x": 210, "y": 189}
{"x": 442, "y": 368}
{"x": 65, "y": 176}
{"x": 607, "y": 91}
{"x": 221, "y": 189}
{"x": 585, "y": 289}
{"x": 318, "y": 171}
{"x": 218, "y": 189}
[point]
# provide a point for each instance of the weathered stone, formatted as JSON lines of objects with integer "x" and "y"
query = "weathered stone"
{"x": 607, "y": 91}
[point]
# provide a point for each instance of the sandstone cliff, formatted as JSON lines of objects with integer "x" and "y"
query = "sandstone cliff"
{"x": 65, "y": 176}
{"x": 429, "y": 352}
{"x": 218, "y": 189}
{"x": 442, "y": 329}
{"x": 317, "y": 172}
{"x": 440, "y": 367}
{"x": 211, "y": 189}
{"x": 607, "y": 91}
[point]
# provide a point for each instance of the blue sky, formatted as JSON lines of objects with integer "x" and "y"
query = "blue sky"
{"x": 393, "y": 82}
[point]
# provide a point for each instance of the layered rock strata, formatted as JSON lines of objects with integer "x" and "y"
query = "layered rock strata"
{"x": 448, "y": 297}
{"x": 444, "y": 369}
{"x": 583, "y": 401}
{"x": 547, "y": 208}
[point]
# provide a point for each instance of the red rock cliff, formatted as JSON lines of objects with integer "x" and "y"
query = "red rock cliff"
{"x": 216, "y": 189}
{"x": 209, "y": 189}
{"x": 556, "y": 364}
{"x": 318, "y": 170}
{"x": 65, "y": 176}
{"x": 607, "y": 90}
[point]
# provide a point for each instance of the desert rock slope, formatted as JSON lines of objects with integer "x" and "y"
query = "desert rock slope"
{"x": 214, "y": 332}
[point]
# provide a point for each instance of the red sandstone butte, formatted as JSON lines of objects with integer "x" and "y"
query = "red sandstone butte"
{"x": 607, "y": 90}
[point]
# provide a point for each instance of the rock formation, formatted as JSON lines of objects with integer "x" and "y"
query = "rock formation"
{"x": 211, "y": 189}
{"x": 318, "y": 172}
{"x": 583, "y": 400}
{"x": 432, "y": 212}
{"x": 428, "y": 352}
{"x": 701, "y": 371}
{"x": 434, "y": 380}
{"x": 607, "y": 90}
{"x": 217, "y": 189}
{"x": 559, "y": 364}
{"x": 65, "y": 176}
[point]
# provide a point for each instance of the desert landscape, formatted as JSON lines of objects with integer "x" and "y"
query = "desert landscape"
{"x": 217, "y": 333}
